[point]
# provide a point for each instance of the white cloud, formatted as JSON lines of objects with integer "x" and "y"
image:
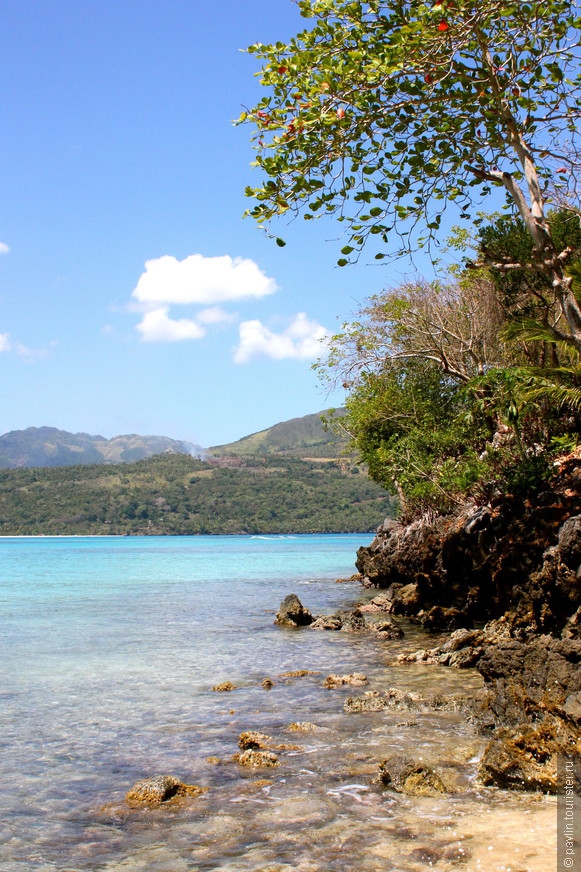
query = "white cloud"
{"x": 7, "y": 344}
{"x": 215, "y": 315}
{"x": 202, "y": 280}
{"x": 157, "y": 326}
{"x": 303, "y": 339}
{"x": 4, "y": 249}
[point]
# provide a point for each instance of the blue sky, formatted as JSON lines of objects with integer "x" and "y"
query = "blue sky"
{"x": 133, "y": 296}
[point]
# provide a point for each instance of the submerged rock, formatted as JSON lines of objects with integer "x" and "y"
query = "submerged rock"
{"x": 375, "y": 701}
{"x": 405, "y": 776}
{"x": 387, "y": 629}
{"x": 152, "y": 792}
{"x": 253, "y": 757}
{"x": 327, "y": 622}
{"x": 355, "y": 678}
{"x": 225, "y": 687}
{"x": 292, "y": 613}
{"x": 252, "y": 739}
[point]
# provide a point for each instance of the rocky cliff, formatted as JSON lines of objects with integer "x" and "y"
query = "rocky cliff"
{"x": 506, "y": 579}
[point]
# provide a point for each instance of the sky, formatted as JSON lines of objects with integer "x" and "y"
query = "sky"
{"x": 134, "y": 297}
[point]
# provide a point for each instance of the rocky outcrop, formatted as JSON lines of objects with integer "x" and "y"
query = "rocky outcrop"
{"x": 152, "y": 792}
{"x": 292, "y": 613}
{"x": 515, "y": 558}
{"x": 512, "y": 567}
{"x": 405, "y": 776}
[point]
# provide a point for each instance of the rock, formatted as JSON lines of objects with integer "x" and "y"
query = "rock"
{"x": 254, "y": 740}
{"x": 303, "y": 727}
{"x": 405, "y": 776}
{"x": 439, "y": 618}
{"x": 152, "y": 792}
{"x": 572, "y": 707}
{"x": 292, "y": 613}
{"x": 407, "y": 600}
{"x": 327, "y": 622}
{"x": 267, "y": 683}
{"x": 355, "y": 678}
{"x": 381, "y": 603}
{"x": 387, "y": 629}
{"x": 298, "y": 673}
{"x": 374, "y": 701}
{"x": 351, "y": 620}
{"x": 252, "y": 757}
{"x": 225, "y": 687}
{"x": 570, "y": 542}
{"x": 522, "y": 759}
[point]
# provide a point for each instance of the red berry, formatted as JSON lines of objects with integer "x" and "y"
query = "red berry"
{"x": 443, "y": 25}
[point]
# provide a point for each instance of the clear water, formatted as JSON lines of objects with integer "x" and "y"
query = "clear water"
{"x": 109, "y": 650}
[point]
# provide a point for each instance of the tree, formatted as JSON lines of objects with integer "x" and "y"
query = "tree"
{"x": 387, "y": 111}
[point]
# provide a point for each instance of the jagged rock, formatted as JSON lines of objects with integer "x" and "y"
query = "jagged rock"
{"x": 351, "y": 620}
{"x": 152, "y": 792}
{"x": 522, "y": 759}
{"x": 327, "y": 622}
{"x": 387, "y": 629}
{"x": 303, "y": 727}
{"x": 225, "y": 687}
{"x": 267, "y": 683}
{"x": 252, "y": 757}
{"x": 254, "y": 740}
{"x": 405, "y": 776}
{"x": 375, "y": 701}
{"x": 355, "y": 678}
{"x": 428, "y": 656}
{"x": 298, "y": 673}
{"x": 292, "y": 613}
{"x": 570, "y": 542}
{"x": 438, "y": 618}
{"x": 525, "y": 681}
{"x": 381, "y": 603}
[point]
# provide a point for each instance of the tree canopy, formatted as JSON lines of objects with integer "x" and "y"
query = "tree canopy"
{"x": 386, "y": 112}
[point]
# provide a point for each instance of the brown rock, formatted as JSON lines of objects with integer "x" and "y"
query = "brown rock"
{"x": 522, "y": 759}
{"x": 254, "y": 740}
{"x": 292, "y": 613}
{"x": 405, "y": 776}
{"x": 355, "y": 678}
{"x": 152, "y": 792}
{"x": 225, "y": 687}
{"x": 252, "y": 757}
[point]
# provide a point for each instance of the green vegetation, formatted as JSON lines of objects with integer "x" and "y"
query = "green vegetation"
{"x": 178, "y": 495}
{"x": 387, "y": 114}
{"x": 304, "y": 437}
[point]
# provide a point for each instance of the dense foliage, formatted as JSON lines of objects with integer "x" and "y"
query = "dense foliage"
{"x": 388, "y": 114}
{"x": 178, "y": 495}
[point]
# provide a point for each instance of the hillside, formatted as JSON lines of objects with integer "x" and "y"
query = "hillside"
{"x": 299, "y": 437}
{"x": 172, "y": 494}
{"x": 48, "y": 446}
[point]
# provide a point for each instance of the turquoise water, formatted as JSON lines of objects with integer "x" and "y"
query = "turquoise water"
{"x": 109, "y": 651}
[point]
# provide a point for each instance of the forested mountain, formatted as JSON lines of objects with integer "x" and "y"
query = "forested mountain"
{"x": 177, "y": 495}
{"x": 300, "y": 437}
{"x": 48, "y": 446}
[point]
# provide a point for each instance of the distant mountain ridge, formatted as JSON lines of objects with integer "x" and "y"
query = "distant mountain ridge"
{"x": 49, "y": 446}
{"x": 304, "y": 437}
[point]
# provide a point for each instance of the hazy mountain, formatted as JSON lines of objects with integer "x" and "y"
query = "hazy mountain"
{"x": 48, "y": 446}
{"x": 300, "y": 437}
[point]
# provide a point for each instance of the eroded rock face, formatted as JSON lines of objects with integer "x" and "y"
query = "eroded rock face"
{"x": 404, "y": 776}
{"x": 522, "y": 759}
{"x": 252, "y": 739}
{"x": 519, "y": 559}
{"x": 255, "y": 758}
{"x": 152, "y": 792}
{"x": 292, "y": 613}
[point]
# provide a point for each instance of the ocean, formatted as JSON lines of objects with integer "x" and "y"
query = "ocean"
{"x": 110, "y": 648}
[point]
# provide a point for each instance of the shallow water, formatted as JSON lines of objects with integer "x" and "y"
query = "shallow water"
{"x": 110, "y": 648}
